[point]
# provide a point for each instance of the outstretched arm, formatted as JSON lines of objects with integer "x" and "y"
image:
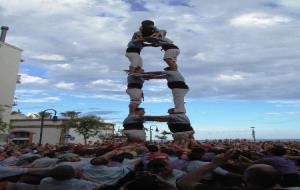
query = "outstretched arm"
{"x": 192, "y": 179}
{"x": 155, "y": 72}
{"x": 163, "y": 118}
{"x": 153, "y": 76}
{"x": 137, "y": 37}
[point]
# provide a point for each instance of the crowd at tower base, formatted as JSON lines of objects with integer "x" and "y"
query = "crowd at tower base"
{"x": 213, "y": 165}
{"x": 178, "y": 123}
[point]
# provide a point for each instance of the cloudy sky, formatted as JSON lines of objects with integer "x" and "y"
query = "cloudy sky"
{"x": 239, "y": 57}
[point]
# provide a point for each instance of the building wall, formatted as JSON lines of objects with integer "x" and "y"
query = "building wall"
{"x": 50, "y": 134}
{"x": 10, "y": 57}
{"x": 51, "y": 130}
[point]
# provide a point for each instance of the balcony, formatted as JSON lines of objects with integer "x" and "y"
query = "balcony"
{"x": 19, "y": 79}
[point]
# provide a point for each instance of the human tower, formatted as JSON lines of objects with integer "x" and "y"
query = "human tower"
{"x": 178, "y": 123}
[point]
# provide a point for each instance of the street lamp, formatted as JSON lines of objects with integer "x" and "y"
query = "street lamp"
{"x": 253, "y": 133}
{"x": 54, "y": 118}
{"x": 151, "y": 131}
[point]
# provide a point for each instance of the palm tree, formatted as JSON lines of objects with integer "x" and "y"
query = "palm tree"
{"x": 3, "y": 125}
{"x": 163, "y": 135}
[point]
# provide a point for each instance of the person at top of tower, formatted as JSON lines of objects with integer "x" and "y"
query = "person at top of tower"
{"x": 150, "y": 35}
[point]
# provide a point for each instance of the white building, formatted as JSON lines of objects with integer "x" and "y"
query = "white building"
{"x": 10, "y": 57}
{"x": 54, "y": 132}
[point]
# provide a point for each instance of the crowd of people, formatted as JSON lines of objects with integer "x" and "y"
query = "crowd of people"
{"x": 210, "y": 165}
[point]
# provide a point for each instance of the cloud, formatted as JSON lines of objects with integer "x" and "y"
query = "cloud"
{"x": 290, "y": 4}
{"x": 200, "y": 57}
{"x": 39, "y": 100}
{"x": 49, "y": 57}
{"x": 65, "y": 86}
{"x": 28, "y": 79}
{"x": 223, "y": 77}
{"x": 83, "y": 42}
{"x": 289, "y": 113}
{"x": 61, "y": 66}
{"x": 108, "y": 84}
{"x": 258, "y": 19}
{"x": 100, "y": 112}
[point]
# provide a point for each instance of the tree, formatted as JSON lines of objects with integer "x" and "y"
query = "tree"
{"x": 16, "y": 112}
{"x": 88, "y": 126}
{"x": 72, "y": 122}
{"x": 70, "y": 114}
{"x": 3, "y": 125}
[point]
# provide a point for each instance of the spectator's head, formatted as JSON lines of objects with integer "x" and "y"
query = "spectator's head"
{"x": 102, "y": 151}
{"x": 169, "y": 151}
{"x": 146, "y": 181}
{"x": 69, "y": 157}
{"x": 278, "y": 150}
{"x": 99, "y": 161}
{"x": 14, "y": 153}
{"x": 122, "y": 156}
{"x": 261, "y": 176}
{"x": 160, "y": 167}
{"x": 50, "y": 154}
{"x": 63, "y": 172}
{"x": 196, "y": 154}
{"x": 152, "y": 148}
{"x": 25, "y": 150}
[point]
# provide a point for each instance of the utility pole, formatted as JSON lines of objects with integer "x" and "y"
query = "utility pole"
{"x": 253, "y": 133}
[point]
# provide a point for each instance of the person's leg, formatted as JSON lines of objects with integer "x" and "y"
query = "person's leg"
{"x": 178, "y": 98}
{"x": 135, "y": 136}
{"x": 135, "y": 61}
{"x": 179, "y": 138}
{"x": 170, "y": 57}
{"x": 135, "y": 95}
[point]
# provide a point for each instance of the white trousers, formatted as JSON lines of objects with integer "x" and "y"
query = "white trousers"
{"x": 172, "y": 54}
{"x": 182, "y": 135}
{"x": 135, "y": 135}
{"x": 135, "y": 59}
{"x": 178, "y": 98}
{"x": 135, "y": 95}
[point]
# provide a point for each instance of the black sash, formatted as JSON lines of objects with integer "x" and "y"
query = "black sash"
{"x": 135, "y": 85}
{"x": 133, "y": 50}
{"x": 169, "y": 46}
{"x": 133, "y": 126}
{"x": 178, "y": 84}
{"x": 179, "y": 127}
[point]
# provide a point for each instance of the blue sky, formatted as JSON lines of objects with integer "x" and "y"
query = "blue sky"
{"x": 240, "y": 59}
